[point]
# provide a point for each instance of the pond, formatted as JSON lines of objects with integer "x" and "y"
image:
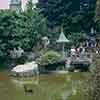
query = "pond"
{"x": 70, "y": 86}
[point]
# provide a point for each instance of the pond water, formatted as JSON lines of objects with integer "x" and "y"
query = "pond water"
{"x": 70, "y": 86}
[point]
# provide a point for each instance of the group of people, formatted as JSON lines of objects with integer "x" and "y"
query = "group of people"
{"x": 77, "y": 51}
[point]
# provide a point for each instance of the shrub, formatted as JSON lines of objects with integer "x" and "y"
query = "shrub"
{"x": 49, "y": 57}
{"x": 21, "y": 60}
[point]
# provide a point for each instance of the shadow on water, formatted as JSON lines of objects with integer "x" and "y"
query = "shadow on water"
{"x": 46, "y": 87}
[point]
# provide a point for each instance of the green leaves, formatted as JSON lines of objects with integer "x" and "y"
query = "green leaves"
{"x": 23, "y": 29}
{"x": 68, "y": 14}
{"x": 49, "y": 57}
{"x": 58, "y": 11}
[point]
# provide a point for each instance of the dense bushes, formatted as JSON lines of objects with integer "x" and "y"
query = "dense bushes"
{"x": 49, "y": 57}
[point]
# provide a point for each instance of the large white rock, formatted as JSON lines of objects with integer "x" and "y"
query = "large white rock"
{"x": 28, "y": 67}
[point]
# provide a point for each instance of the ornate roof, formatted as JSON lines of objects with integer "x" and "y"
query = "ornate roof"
{"x": 62, "y": 38}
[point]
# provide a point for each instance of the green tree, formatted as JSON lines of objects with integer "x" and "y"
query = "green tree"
{"x": 21, "y": 29}
{"x": 8, "y": 34}
{"x": 34, "y": 26}
{"x": 68, "y": 14}
{"x": 97, "y": 15}
{"x": 57, "y": 12}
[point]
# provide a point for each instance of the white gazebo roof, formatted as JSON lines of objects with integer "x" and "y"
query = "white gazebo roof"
{"x": 62, "y": 38}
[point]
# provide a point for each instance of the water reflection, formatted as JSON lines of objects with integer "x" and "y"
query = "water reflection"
{"x": 45, "y": 87}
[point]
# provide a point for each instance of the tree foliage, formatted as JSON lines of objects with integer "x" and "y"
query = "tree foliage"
{"x": 57, "y": 11}
{"x": 97, "y": 15}
{"x": 49, "y": 57}
{"x": 8, "y": 34}
{"x": 68, "y": 14}
{"x": 21, "y": 29}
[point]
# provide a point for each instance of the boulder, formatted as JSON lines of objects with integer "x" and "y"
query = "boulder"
{"x": 27, "y": 69}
